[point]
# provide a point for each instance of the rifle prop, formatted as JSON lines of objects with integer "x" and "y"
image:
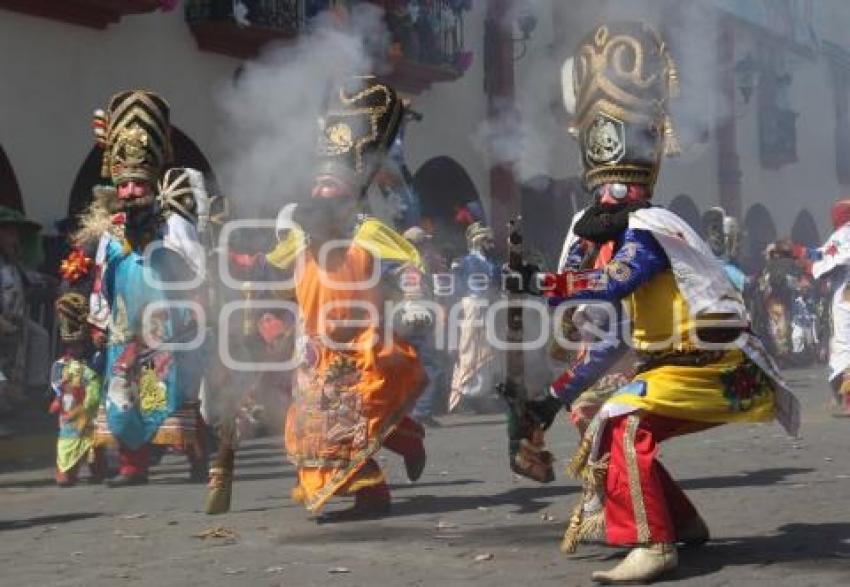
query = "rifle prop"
{"x": 526, "y": 428}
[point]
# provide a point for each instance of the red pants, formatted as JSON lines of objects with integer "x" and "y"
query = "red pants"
{"x": 133, "y": 462}
{"x": 137, "y": 462}
{"x": 642, "y": 502}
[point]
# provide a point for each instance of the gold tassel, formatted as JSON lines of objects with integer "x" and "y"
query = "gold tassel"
{"x": 582, "y": 527}
{"x": 672, "y": 147}
{"x": 572, "y": 535}
{"x": 577, "y": 464}
{"x": 673, "y": 85}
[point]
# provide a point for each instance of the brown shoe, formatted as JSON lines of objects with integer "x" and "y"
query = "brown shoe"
{"x": 219, "y": 492}
{"x": 415, "y": 465}
{"x": 370, "y": 503}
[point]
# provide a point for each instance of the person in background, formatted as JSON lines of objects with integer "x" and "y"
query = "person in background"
{"x": 477, "y": 278}
{"x": 76, "y": 381}
{"x": 23, "y": 342}
{"x": 804, "y": 321}
{"x": 831, "y": 267}
{"x": 431, "y": 358}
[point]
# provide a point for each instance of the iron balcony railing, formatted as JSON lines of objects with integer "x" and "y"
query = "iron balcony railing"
{"x": 286, "y": 15}
{"x": 427, "y": 33}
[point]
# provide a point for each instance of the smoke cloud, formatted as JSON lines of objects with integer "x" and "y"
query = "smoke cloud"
{"x": 532, "y": 135}
{"x": 271, "y": 108}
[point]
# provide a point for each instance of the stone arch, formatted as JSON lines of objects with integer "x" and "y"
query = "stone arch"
{"x": 805, "y": 230}
{"x": 10, "y": 191}
{"x": 186, "y": 154}
{"x": 443, "y": 187}
{"x": 686, "y": 209}
{"x": 759, "y": 231}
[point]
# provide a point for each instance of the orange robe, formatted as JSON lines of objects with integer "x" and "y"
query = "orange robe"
{"x": 345, "y": 401}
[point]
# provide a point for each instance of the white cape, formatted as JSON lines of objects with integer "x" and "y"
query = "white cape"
{"x": 707, "y": 289}
{"x": 836, "y": 253}
{"x": 181, "y": 237}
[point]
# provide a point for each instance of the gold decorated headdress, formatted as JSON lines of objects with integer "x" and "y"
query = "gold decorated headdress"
{"x": 623, "y": 78}
{"x": 361, "y": 122}
{"x": 72, "y": 310}
{"x": 134, "y": 133}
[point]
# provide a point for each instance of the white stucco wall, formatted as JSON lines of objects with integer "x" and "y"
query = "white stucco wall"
{"x": 811, "y": 183}
{"x": 54, "y": 75}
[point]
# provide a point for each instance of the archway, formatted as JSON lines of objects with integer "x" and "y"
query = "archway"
{"x": 759, "y": 231}
{"x": 547, "y": 210}
{"x": 805, "y": 230}
{"x": 444, "y": 187}
{"x": 186, "y": 154}
{"x": 685, "y": 208}
{"x": 10, "y": 191}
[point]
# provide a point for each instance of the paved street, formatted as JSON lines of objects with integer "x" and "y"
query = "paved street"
{"x": 779, "y": 511}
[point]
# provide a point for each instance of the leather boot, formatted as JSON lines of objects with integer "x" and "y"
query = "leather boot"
{"x": 414, "y": 465}
{"x": 643, "y": 564}
{"x": 220, "y": 487}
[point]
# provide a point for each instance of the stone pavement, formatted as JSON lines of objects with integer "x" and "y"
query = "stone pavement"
{"x": 778, "y": 508}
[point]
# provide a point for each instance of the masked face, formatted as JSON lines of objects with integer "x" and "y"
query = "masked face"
{"x": 619, "y": 194}
{"x": 132, "y": 191}
{"x": 332, "y": 187}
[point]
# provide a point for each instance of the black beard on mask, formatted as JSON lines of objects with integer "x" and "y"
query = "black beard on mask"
{"x": 605, "y": 222}
{"x": 320, "y": 219}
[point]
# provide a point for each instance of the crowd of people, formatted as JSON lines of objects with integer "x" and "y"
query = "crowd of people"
{"x": 660, "y": 333}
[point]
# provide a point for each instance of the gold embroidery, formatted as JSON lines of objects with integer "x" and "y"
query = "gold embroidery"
{"x": 618, "y": 271}
{"x": 339, "y": 138}
{"x": 638, "y": 506}
{"x": 151, "y": 392}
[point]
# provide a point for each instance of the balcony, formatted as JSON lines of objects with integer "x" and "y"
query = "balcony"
{"x": 241, "y": 29}
{"x": 425, "y": 43}
{"x": 90, "y": 13}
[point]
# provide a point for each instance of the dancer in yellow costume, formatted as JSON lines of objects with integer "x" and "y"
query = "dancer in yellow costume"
{"x": 698, "y": 365}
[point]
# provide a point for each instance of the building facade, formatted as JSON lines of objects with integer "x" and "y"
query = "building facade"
{"x": 764, "y": 117}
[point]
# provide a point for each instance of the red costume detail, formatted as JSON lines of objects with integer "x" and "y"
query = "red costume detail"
{"x": 665, "y": 505}
{"x": 75, "y": 266}
{"x": 840, "y": 213}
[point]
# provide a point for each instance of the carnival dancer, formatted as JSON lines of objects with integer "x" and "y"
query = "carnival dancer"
{"x": 832, "y": 266}
{"x": 476, "y": 280}
{"x": 722, "y": 235}
{"x": 699, "y": 367}
{"x": 151, "y": 385}
{"x": 76, "y": 381}
{"x": 432, "y": 358}
{"x": 356, "y": 378}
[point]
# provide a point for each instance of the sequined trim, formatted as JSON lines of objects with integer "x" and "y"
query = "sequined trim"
{"x": 638, "y": 505}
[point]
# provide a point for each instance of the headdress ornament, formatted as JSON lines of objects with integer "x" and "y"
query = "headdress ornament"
{"x": 623, "y": 78}
{"x": 134, "y": 132}
{"x": 361, "y": 122}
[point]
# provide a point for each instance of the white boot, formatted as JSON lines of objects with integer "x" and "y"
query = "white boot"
{"x": 642, "y": 565}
